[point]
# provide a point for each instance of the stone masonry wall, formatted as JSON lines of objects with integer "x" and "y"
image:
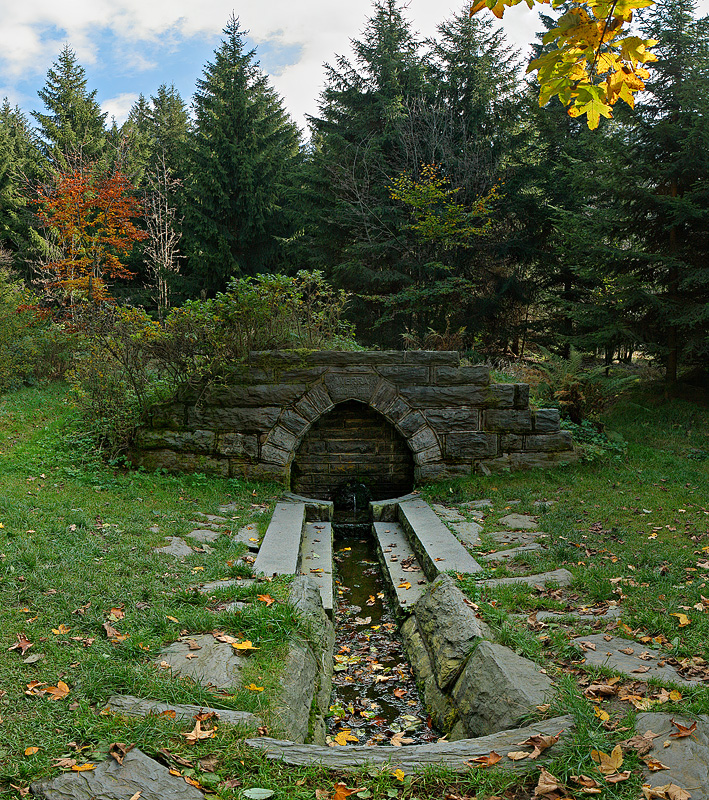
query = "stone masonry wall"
{"x": 451, "y": 417}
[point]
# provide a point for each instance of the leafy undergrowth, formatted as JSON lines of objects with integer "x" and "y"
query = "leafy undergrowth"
{"x": 76, "y": 555}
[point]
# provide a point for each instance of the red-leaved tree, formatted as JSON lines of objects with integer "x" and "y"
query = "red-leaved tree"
{"x": 92, "y": 216}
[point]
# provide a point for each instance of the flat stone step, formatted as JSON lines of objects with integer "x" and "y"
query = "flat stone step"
{"x": 402, "y": 567}
{"x": 177, "y": 547}
{"x": 210, "y": 663}
{"x": 435, "y": 546}
{"x": 137, "y": 707}
{"x": 589, "y": 616}
{"x": 316, "y": 560}
{"x": 454, "y": 755}
{"x": 205, "y": 534}
{"x": 562, "y": 577}
{"x": 280, "y": 548}
{"x": 248, "y": 534}
{"x": 609, "y": 653}
{"x": 467, "y": 532}
{"x": 523, "y": 522}
{"x": 506, "y": 555}
{"x": 516, "y": 537}
{"x": 227, "y": 583}
{"x": 138, "y": 775}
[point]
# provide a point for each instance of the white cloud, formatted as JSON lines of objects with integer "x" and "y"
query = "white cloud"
{"x": 119, "y": 107}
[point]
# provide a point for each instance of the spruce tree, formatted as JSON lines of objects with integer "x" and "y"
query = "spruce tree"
{"x": 74, "y": 123}
{"x": 240, "y": 154}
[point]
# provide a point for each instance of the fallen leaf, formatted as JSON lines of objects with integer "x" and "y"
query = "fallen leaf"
{"x": 192, "y": 782}
{"x": 398, "y": 739}
{"x": 252, "y": 687}
{"x": 266, "y": 598}
{"x": 83, "y": 767}
{"x": 682, "y": 730}
{"x": 653, "y": 764}
{"x": 341, "y": 792}
{"x": 116, "y": 614}
{"x": 683, "y": 619}
{"x": 404, "y": 585}
{"x": 540, "y": 743}
{"x": 22, "y": 644}
{"x": 173, "y": 619}
{"x": 136, "y": 796}
{"x": 518, "y": 755}
{"x": 487, "y": 761}
{"x": 58, "y": 692}
{"x": 23, "y": 791}
{"x": 198, "y": 734}
{"x": 547, "y": 784}
{"x": 604, "y": 716}
{"x": 618, "y": 777}
{"x": 119, "y": 751}
{"x": 258, "y": 794}
{"x": 243, "y": 646}
{"x": 30, "y": 751}
{"x": 61, "y": 630}
{"x": 399, "y": 774}
{"x": 588, "y": 785}
{"x": 343, "y": 737}
{"x": 608, "y": 764}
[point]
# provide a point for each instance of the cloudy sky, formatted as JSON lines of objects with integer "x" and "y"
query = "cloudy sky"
{"x": 132, "y": 46}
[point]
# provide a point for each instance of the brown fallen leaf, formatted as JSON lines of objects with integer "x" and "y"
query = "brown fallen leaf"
{"x": 116, "y": 614}
{"x": 641, "y": 669}
{"x": 682, "y": 730}
{"x": 588, "y": 645}
{"x": 192, "y": 782}
{"x": 540, "y": 743}
{"x": 112, "y": 634}
{"x": 192, "y": 645}
{"x": 58, "y": 692}
{"x": 641, "y": 744}
{"x": 588, "y": 785}
{"x": 209, "y": 763}
{"x": 197, "y": 734}
{"x": 341, "y": 791}
{"x": 61, "y": 630}
{"x": 618, "y": 777}
{"x": 489, "y": 760}
{"x": 266, "y": 598}
{"x": 399, "y": 739}
{"x": 119, "y": 751}
{"x": 669, "y": 791}
{"x": 30, "y": 751}
{"x": 64, "y": 762}
{"x": 136, "y": 796}
{"x": 22, "y": 644}
{"x": 547, "y": 784}
{"x": 23, "y": 791}
{"x": 653, "y": 764}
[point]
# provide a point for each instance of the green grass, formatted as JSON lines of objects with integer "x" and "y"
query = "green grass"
{"x": 76, "y": 541}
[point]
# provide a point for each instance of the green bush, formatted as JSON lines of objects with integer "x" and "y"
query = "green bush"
{"x": 128, "y": 361}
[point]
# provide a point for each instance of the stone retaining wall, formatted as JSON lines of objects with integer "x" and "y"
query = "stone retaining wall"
{"x": 450, "y": 418}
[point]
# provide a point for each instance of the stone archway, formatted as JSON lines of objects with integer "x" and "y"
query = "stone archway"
{"x": 352, "y": 442}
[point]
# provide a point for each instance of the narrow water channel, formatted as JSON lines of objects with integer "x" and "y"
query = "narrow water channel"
{"x": 374, "y": 699}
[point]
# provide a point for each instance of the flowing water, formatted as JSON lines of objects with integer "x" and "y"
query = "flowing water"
{"x": 374, "y": 698}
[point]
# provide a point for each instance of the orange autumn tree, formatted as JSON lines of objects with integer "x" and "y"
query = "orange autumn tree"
{"x": 92, "y": 215}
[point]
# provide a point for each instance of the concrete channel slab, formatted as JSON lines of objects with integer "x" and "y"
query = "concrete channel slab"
{"x": 280, "y": 548}
{"x": 629, "y": 657}
{"x": 456, "y": 755}
{"x": 138, "y": 776}
{"x": 403, "y": 570}
{"x": 136, "y": 707}
{"x": 435, "y": 546}
{"x": 316, "y": 560}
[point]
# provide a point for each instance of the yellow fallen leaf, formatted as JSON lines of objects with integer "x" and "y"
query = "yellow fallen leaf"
{"x": 83, "y": 767}
{"x": 245, "y": 645}
{"x": 61, "y": 630}
{"x": 254, "y": 688}
{"x": 343, "y": 737}
{"x": 404, "y": 585}
{"x": 608, "y": 764}
{"x": 30, "y": 751}
{"x": 58, "y": 692}
{"x": 683, "y": 619}
{"x": 197, "y": 734}
{"x": 172, "y": 619}
{"x": 604, "y": 716}
{"x": 399, "y": 774}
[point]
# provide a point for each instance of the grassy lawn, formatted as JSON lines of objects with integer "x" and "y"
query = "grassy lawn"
{"x": 76, "y": 541}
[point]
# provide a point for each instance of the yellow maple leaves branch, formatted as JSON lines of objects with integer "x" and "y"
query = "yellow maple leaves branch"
{"x": 590, "y": 43}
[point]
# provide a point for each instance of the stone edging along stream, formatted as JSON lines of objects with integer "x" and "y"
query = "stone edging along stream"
{"x": 473, "y": 688}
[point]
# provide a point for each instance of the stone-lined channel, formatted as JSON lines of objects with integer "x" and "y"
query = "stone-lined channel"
{"x": 374, "y": 694}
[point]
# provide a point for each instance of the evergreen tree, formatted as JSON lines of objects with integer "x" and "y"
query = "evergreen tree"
{"x": 240, "y": 155}
{"x": 20, "y": 167}
{"x": 74, "y": 123}
{"x": 667, "y": 196}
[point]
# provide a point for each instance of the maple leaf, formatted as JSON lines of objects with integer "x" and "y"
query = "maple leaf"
{"x": 23, "y": 644}
{"x": 341, "y": 791}
{"x": 547, "y": 784}
{"x": 588, "y": 785}
{"x": 540, "y": 743}
{"x": 243, "y": 646}
{"x": 608, "y": 764}
{"x": 489, "y": 760}
{"x": 682, "y": 730}
{"x": 197, "y": 734}
{"x": 669, "y": 791}
{"x": 343, "y": 737}
{"x": 683, "y": 619}
{"x": 61, "y": 630}
{"x": 58, "y": 692}
{"x": 398, "y": 739}
{"x": 266, "y": 598}
{"x": 653, "y": 764}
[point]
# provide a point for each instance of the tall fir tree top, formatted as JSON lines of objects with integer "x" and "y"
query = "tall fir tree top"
{"x": 75, "y": 122}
